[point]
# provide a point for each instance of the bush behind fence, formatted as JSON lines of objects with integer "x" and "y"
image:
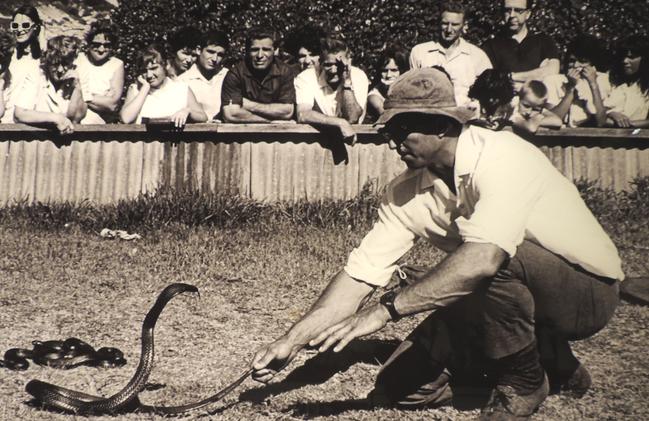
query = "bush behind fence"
{"x": 367, "y": 24}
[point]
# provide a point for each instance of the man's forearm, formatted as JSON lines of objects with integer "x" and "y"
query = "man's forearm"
{"x": 275, "y": 111}
{"x": 241, "y": 115}
{"x": 541, "y": 72}
{"x": 342, "y": 298}
{"x": 458, "y": 275}
{"x": 316, "y": 117}
{"x": 349, "y": 108}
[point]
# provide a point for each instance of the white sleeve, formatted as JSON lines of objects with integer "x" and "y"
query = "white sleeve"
{"x": 303, "y": 90}
{"x": 373, "y": 261}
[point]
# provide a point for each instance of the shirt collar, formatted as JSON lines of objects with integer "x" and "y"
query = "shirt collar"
{"x": 462, "y": 47}
{"x": 194, "y": 73}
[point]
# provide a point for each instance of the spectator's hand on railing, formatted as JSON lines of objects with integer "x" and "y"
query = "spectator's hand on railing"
{"x": 179, "y": 118}
{"x": 64, "y": 125}
{"x": 619, "y": 119}
{"x": 347, "y": 132}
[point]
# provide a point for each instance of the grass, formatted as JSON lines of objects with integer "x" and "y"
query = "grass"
{"x": 258, "y": 268}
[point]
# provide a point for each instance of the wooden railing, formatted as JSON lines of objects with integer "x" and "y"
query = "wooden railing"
{"x": 105, "y": 163}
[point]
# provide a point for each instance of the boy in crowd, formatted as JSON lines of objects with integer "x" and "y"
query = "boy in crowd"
{"x": 205, "y": 77}
{"x": 532, "y": 111}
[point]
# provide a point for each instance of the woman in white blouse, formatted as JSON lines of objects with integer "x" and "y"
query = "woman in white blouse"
{"x": 155, "y": 95}
{"x": 627, "y": 105}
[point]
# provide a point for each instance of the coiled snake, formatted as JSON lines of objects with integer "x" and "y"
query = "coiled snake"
{"x": 126, "y": 399}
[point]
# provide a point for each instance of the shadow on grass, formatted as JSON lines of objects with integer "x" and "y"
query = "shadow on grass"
{"x": 323, "y": 366}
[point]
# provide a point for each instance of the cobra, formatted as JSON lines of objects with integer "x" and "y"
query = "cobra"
{"x": 126, "y": 400}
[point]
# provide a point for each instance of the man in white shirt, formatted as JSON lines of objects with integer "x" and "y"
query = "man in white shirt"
{"x": 463, "y": 61}
{"x": 526, "y": 258}
{"x": 205, "y": 77}
{"x": 335, "y": 93}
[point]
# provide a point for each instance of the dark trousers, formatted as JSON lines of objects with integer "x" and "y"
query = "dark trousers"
{"x": 535, "y": 296}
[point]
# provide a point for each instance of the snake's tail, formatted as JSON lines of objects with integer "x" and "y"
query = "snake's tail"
{"x": 171, "y": 410}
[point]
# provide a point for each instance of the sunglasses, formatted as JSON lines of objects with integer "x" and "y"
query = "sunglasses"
{"x": 24, "y": 25}
{"x": 98, "y": 45}
{"x": 397, "y": 132}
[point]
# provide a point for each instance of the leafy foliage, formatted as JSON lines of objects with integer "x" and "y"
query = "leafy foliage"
{"x": 368, "y": 25}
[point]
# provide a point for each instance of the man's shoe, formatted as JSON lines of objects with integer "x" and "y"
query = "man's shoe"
{"x": 576, "y": 385}
{"x": 506, "y": 404}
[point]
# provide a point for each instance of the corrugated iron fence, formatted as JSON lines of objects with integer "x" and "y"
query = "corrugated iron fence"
{"x": 267, "y": 162}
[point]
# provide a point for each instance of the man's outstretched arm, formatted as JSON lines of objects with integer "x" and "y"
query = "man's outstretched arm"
{"x": 341, "y": 298}
{"x": 459, "y": 274}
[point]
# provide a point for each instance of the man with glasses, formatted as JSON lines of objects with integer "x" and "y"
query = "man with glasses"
{"x": 334, "y": 94}
{"x": 463, "y": 61}
{"x": 205, "y": 77}
{"x": 525, "y": 54}
{"x": 525, "y": 257}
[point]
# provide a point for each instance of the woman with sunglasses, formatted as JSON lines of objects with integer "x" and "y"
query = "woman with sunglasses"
{"x": 101, "y": 73}
{"x": 157, "y": 96}
{"x": 27, "y": 28}
{"x": 55, "y": 98}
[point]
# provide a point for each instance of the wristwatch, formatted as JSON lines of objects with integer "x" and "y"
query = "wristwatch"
{"x": 387, "y": 301}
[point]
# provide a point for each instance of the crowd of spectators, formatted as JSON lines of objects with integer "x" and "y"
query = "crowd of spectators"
{"x": 514, "y": 78}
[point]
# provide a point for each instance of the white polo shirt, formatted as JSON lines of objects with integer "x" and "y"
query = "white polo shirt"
{"x": 508, "y": 191}
{"x": 464, "y": 64}
{"x": 207, "y": 92}
{"x": 311, "y": 88}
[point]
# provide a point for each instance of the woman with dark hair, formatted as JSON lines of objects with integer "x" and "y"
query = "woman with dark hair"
{"x": 155, "y": 95}
{"x": 577, "y": 96}
{"x": 628, "y": 103}
{"x": 55, "y": 97}
{"x": 101, "y": 73}
{"x": 392, "y": 63}
{"x": 303, "y": 45}
{"x": 27, "y": 28}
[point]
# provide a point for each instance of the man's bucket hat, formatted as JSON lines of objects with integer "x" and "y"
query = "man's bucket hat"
{"x": 425, "y": 91}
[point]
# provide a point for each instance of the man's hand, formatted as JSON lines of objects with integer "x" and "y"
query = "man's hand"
{"x": 619, "y": 119}
{"x": 363, "y": 323}
{"x": 64, "y": 125}
{"x": 273, "y": 358}
{"x": 347, "y": 132}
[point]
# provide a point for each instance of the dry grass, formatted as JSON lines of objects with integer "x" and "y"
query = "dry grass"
{"x": 253, "y": 283}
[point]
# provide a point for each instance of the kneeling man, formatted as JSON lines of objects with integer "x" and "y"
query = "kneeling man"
{"x": 526, "y": 260}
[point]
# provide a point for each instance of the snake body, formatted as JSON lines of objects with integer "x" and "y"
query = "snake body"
{"x": 126, "y": 399}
